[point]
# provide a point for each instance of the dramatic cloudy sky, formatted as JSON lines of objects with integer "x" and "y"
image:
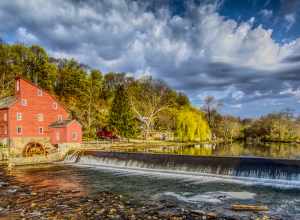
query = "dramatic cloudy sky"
{"x": 246, "y": 53}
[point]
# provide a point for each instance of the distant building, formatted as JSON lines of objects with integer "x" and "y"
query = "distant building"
{"x": 34, "y": 122}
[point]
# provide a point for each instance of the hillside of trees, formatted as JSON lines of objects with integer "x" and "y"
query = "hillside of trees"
{"x": 128, "y": 106}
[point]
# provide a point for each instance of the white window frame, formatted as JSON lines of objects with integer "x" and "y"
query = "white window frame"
{"x": 60, "y": 118}
{"x": 57, "y": 135}
{"x": 40, "y": 117}
{"x": 19, "y": 116}
{"x": 5, "y": 116}
{"x": 24, "y": 102}
{"x": 41, "y": 130}
{"x": 21, "y": 130}
{"x": 74, "y": 136}
{"x": 54, "y": 105}
{"x": 40, "y": 92}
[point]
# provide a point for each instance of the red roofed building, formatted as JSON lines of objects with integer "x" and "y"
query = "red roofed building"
{"x": 33, "y": 121}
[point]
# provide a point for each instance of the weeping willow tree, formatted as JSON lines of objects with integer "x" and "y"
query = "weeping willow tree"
{"x": 191, "y": 125}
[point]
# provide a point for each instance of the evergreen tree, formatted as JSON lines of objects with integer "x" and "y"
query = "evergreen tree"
{"x": 121, "y": 116}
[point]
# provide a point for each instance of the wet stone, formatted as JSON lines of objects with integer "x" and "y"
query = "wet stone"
{"x": 20, "y": 201}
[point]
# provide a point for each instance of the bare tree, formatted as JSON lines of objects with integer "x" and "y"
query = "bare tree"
{"x": 148, "y": 98}
{"x": 211, "y": 106}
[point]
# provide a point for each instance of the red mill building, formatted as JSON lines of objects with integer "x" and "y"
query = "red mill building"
{"x": 33, "y": 122}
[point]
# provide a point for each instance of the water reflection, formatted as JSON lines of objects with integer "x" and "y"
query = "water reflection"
{"x": 186, "y": 193}
{"x": 241, "y": 149}
{"x": 48, "y": 177}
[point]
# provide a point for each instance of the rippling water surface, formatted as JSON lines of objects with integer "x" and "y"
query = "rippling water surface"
{"x": 212, "y": 184}
{"x": 238, "y": 149}
{"x": 196, "y": 192}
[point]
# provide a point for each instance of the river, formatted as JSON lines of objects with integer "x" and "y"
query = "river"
{"x": 199, "y": 182}
{"x": 238, "y": 149}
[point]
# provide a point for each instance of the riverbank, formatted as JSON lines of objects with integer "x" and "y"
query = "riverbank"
{"x": 235, "y": 149}
{"x": 18, "y": 200}
{"x": 132, "y": 143}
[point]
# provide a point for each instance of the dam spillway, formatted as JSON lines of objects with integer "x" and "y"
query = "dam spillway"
{"x": 284, "y": 172}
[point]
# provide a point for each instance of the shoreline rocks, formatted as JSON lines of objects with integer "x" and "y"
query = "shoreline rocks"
{"x": 21, "y": 201}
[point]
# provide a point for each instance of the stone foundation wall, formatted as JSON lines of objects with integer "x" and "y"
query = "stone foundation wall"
{"x": 3, "y": 154}
{"x": 17, "y": 144}
{"x": 20, "y": 161}
{"x": 64, "y": 148}
{"x": 4, "y": 141}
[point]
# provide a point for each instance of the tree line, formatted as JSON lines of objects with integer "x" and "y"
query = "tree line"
{"x": 134, "y": 107}
{"x": 282, "y": 126}
{"x": 131, "y": 107}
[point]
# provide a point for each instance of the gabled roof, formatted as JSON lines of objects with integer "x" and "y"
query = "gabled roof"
{"x": 62, "y": 123}
{"x": 44, "y": 90}
{"x": 7, "y": 101}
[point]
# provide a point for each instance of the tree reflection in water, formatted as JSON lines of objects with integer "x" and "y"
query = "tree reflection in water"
{"x": 269, "y": 150}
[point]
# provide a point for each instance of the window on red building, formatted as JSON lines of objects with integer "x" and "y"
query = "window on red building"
{"x": 59, "y": 117}
{"x": 41, "y": 130}
{"x": 2, "y": 129}
{"x": 74, "y": 136}
{"x": 40, "y": 117}
{"x": 24, "y": 102}
{"x": 19, "y": 116}
{"x": 40, "y": 92}
{"x": 57, "y": 136}
{"x": 54, "y": 105}
{"x": 5, "y": 117}
{"x": 5, "y": 129}
{"x": 19, "y": 130}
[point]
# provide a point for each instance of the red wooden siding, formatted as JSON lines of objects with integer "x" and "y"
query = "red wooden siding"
{"x": 36, "y": 105}
{"x": 74, "y": 128}
{"x": 66, "y": 134}
{"x": 33, "y": 112}
{"x": 3, "y": 123}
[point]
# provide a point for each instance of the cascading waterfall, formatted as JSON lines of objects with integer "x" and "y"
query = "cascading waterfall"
{"x": 250, "y": 170}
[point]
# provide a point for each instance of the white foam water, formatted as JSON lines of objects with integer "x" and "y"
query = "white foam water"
{"x": 132, "y": 167}
{"x": 211, "y": 197}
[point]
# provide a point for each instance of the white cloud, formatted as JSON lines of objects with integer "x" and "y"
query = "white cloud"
{"x": 238, "y": 95}
{"x": 23, "y": 35}
{"x": 231, "y": 92}
{"x": 202, "y": 52}
{"x": 238, "y": 106}
{"x": 290, "y": 19}
{"x": 266, "y": 13}
{"x": 292, "y": 92}
{"x": 125, "y": 36}
{"x": 272, "y": 102}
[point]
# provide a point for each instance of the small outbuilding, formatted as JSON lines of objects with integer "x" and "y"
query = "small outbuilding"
{"x": 65, "y": 131}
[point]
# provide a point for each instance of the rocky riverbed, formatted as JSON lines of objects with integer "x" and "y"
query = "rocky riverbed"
{"x": 19, "y": 200}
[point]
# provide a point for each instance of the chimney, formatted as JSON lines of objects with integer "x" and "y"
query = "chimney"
{"x": 17, "y": 86}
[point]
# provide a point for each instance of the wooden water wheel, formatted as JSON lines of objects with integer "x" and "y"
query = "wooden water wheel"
{"x": 34, "y": 149}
